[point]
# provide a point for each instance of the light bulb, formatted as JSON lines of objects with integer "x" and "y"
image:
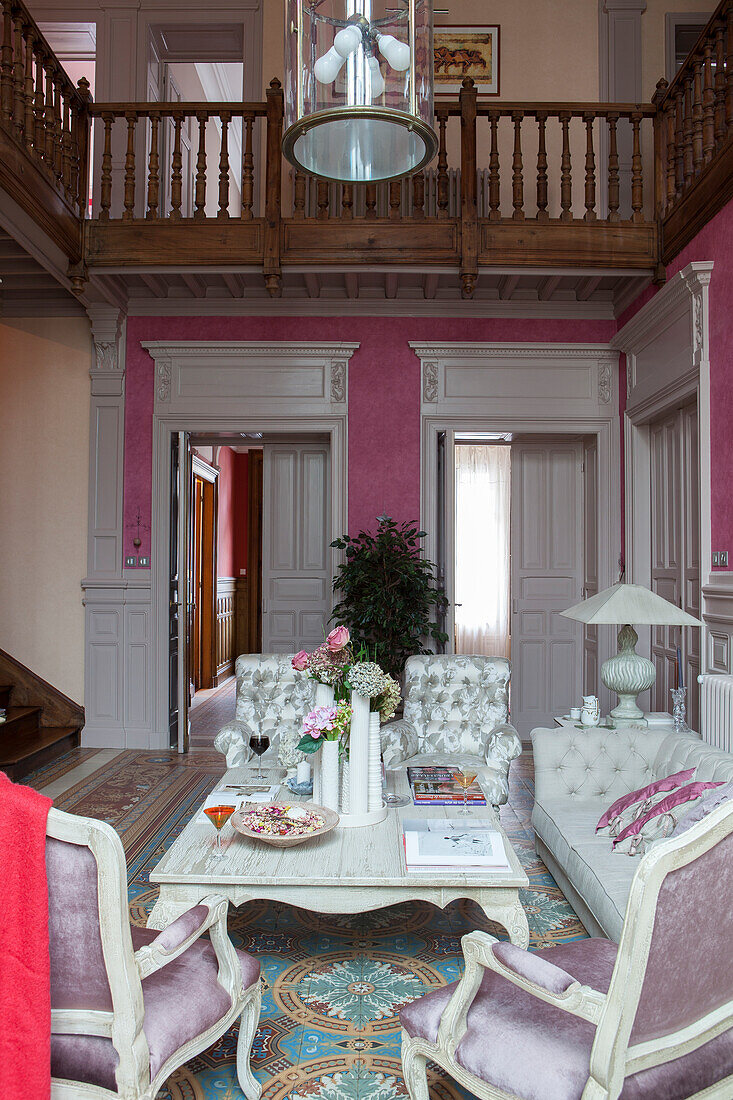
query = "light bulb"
{"x": 347, "y": 40}
{"x": 376, "y": 78}
{"x": 327, "y": 68}
{"x": 396, "y": 53}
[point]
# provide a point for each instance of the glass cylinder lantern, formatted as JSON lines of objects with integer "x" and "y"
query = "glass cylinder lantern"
{"x": 359, "y": 88}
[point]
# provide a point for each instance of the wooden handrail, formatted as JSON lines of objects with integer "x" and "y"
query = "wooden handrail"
{"x": 174, "y": 110}
{"x": 708, "y": 33}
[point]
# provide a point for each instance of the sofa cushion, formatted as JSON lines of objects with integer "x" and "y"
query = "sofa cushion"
{"x": 647, "y": 824}
{"x": 702, "y": 808}
{"x": 455, "y": 702}
{"x": 642, "y": 795}
{"x": 680, "y": 750}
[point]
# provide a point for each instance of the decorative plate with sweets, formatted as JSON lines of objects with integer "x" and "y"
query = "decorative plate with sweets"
{"x": 283, "y": 824}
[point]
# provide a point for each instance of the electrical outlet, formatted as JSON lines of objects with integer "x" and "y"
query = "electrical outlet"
{"x": 720, "y": 559}
{"x": 130, "y": 562}
{"x": 144, "y": 563}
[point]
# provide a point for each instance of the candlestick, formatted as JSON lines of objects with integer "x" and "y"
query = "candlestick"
{"x": 680, "y": 677}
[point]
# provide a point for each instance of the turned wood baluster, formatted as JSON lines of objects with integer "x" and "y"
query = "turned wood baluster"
{"x": 39, "y": 107}
{"x": 418, "y": 195}
{"x": 66, "y": 143}
{"x": 176, "y": 171}
{"x": 613, "y": 184}
{"x": 48, "y": 122}
{"x": 708, "y": 105}
{"x": 347, "y": 201}
{"x": 590, "y": 169}
{"x": 153, "y": 169}
{"x": 395, "y": 199}
{"x": 58, "y": 137}
{"x": 566, "y": 178}
{"x": 679, "y": 141}
{"x": 719, "y": 83}
{"x": 494, "y": 181}
{"x": 18, "y": 76}
{"x": 129, "y": 200}
{"x": 637, "y": 178}
{"x": 80, "y": 135}
{"x": 223, "y": 211}
{"x": 323, "y": 199}
{"x": 29, "y": 119}
{"x": 105, "y": 186}
{"x": 669, "y": 119}
{"x": 697, "y": 115}
{"x": 199, "y": 199}
{"x": 688, "y": 160}
{"x": 6, "y": 64}
{"x": 542, "y": 215}
{"x": 442, "y": 181}
{"x": 517, "y": 176}
{"x": 299, "y": 196}
{"x": 370, "y": 202}
{"x": 248, "y": 169}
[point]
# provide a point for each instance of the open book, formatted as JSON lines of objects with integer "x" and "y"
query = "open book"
{"x": 454, "y": 844}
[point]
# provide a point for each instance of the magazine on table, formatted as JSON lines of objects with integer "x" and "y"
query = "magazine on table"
{"x": 234, "y": 794}
{"x": 453, "y": 844}
{"x": 437, "y": 786}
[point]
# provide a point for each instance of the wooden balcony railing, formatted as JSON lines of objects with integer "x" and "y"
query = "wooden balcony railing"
{"x": 695, "y": 135}
{"x": 44, "y": 128}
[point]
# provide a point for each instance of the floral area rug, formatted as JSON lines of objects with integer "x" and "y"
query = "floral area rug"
{"x": 333, "y": 985}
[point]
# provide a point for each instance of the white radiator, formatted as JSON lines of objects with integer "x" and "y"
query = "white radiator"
{"x": 716, "y": 710}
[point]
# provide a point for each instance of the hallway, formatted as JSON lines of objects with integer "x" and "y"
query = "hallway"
{"x": 210, "y": 710}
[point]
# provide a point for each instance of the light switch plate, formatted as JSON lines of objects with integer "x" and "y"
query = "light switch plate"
{"x": 720, "y": 559}
{"x": 144, "y": 563}
{"x": 130, "y": 562}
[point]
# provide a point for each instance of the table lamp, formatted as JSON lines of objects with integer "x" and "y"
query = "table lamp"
{"x": 628, "y": 673}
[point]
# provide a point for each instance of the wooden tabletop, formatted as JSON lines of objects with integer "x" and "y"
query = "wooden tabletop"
{"x": 368, "y": 857}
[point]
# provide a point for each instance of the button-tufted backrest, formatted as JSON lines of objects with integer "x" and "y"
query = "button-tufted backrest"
{"x": 585, "y": 764}
{"x": 270, "y": 692}
{"x": 454, "y": 702}
{"x": 679, "y": 750}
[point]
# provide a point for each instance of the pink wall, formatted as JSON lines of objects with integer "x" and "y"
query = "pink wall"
{"x": 225, "y": 519}
{"x": 714, "y": 242}
{"x": 384, "y": 394}
{"x": 241, "y": 497}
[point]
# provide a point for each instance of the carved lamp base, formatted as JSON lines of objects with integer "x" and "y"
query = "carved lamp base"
{"x": 627, "y": 674}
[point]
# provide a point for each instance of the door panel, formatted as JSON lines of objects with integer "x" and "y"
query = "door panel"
{"x": 182, "y": 474}
{"x": 547, "y": 576}
{"x": 296, "y": 574}
{"x": 591, "y": 678}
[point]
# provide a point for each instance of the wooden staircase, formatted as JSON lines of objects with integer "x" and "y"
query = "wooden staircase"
{"x": 40, "y": 722}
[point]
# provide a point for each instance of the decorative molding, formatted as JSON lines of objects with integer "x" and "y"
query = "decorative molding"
{"x": 430, "y": 380}
{"x": 163, "y": 371}
{"x": 338, "y": 381}
{"x": 604, "y": 381}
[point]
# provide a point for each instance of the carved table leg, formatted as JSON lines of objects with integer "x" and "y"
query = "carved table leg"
{"x": 509, "y": 913}
{"x": 170, "y": 904}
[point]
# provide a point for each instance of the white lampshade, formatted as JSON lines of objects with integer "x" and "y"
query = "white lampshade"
{"x": 629, "y": 603}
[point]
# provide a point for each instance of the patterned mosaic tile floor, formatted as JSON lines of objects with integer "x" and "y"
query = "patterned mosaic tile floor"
{"x": 332, "y": 985}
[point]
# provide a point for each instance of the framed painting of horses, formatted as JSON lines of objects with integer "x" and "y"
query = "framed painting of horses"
{"x": 466, "y": 51}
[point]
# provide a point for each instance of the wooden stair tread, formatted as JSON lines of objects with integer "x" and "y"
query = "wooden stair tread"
{"x": 29, "y": 742}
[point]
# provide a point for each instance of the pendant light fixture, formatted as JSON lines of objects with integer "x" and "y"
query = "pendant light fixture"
{"x": 359, "y": 88}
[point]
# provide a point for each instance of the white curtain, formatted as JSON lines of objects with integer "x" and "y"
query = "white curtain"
{"x": 483, "y": 484}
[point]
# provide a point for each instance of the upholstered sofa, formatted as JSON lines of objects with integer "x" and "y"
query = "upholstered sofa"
{"x": 456, "y": 711}
{"x": 578, "y": 774}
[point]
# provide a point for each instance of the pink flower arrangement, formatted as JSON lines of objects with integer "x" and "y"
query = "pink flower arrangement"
{"x": 330, "y": 662}
{"x": 325, "y": 724}
{"x": 338, "y": 639}
{"x": 300, "y": 661}
{"x": 319, "y": 721}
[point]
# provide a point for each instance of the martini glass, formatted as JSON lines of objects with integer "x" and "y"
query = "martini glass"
{"x": 464, "y": 779}
{"x": 218, "y": 816}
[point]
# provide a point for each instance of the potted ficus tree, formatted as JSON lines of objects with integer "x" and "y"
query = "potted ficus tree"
{"x": 389, "y": 598}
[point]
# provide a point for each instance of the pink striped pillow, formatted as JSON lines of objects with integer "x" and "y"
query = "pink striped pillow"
{"x": 676, "y": 798}
{"x": 667, "y": 784}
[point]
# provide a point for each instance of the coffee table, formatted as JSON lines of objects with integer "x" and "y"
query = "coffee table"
{"x": 345, "y": 871}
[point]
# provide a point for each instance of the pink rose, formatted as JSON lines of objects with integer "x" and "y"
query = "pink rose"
{"x": 300, "y": 661}
{"x": 338, "y": 639}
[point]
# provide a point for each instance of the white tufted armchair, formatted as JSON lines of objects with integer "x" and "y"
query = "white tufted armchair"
{"x": 456, "y": 711}
{"x": 271, "y": 697}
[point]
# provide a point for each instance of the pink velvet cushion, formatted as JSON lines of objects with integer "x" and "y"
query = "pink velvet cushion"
{"x": 182, "y": 1000}
{"x": 675, "y": 798}
{"x": 667, "y": 784}
{"x": 538, "y": 1052}
{"x": 704, "y": 807}
{"x": 533, "y": 966}
{"x": 179, "y": 930}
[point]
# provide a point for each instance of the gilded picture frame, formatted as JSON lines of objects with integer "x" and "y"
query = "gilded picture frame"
{"x": 462, "y": 51}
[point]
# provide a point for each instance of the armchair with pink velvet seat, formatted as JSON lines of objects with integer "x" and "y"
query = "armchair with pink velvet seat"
{"x": 649, "y": 1019}
{"x": 130, "y": 1005}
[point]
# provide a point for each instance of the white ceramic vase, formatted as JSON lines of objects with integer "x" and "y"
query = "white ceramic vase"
{"x": 345, "y": 792}
{"x": 590, "y": 712}
{"x": 329, "y": 754}
{"x": 374, "y": 796}
{"x": 359, "y": 755}
{"x": 324, "y": 698}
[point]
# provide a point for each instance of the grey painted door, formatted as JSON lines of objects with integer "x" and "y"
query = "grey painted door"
{"x": 547, "y": 576}
{"x": 296, "y": 555}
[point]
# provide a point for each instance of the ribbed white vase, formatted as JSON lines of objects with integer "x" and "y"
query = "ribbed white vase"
{"x": 375, "y": 762}
{"x": 359, "y": 754}
{"x": 329, "y": 754}
{"x": 345, "y": 792}
{"x": 324, "y": 698}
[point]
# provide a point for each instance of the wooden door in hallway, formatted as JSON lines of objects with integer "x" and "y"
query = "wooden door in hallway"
{"x": 547, "y": 571}
{"x": 296, "y": 557}
{"x": 202, "y": 604}
{"x": 675, "y": 544}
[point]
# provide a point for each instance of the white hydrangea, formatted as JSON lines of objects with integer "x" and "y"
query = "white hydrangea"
{"x": 367, "y": 679}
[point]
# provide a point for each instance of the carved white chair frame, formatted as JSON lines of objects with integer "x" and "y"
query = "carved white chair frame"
{"x": 612, "y": 1058}
{"x": 126, "y": 969}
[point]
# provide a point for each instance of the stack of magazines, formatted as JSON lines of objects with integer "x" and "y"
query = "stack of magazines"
{"x": 469, "y": 846}
{"x": 433, "y": 786}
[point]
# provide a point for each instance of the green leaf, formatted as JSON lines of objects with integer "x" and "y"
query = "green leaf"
{"x": 308, "y": 745}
